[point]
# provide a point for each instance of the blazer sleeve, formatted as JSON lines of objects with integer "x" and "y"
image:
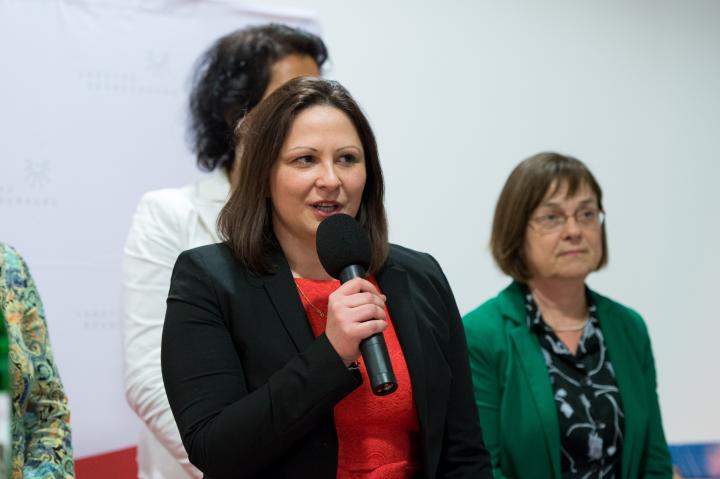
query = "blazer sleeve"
{"x": 46, "y": 423}
{"x": 227, "y": 428}
{"x": 464, "y": 453}
{"x": 656, "y": 462}
{"x": 152, "y": 246}
{"x": 487, "y": 383}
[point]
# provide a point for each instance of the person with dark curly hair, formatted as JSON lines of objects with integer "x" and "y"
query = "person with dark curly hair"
{"x": 40, "y": 416}
{"x": 230, "y": 79}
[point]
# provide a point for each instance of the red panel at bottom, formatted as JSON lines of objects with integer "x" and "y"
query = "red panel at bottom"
{"x": 110, "y": 465}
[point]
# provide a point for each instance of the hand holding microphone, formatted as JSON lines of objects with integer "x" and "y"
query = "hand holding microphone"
{"x": 344, "y": 251}
{"x": 356, "y": 311}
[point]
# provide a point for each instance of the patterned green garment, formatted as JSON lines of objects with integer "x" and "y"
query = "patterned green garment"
{"x": 41, "y": 442}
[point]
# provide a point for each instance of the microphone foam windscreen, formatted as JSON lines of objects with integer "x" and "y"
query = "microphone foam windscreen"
{"x": 341, "y": 242}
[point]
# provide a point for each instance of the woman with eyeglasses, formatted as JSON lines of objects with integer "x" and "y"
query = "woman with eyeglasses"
{"x": 564, "y": 377}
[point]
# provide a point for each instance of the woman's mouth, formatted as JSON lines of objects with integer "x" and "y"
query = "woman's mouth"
{"x": 327, "y": 207}
{"x": 573, "y": 252}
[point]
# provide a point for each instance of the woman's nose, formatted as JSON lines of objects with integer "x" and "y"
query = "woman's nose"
{"x": 571, "y": 228}
{"x": 327, "y": 177}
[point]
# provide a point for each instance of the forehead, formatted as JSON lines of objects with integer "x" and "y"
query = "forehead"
{"x": 289, "y": 67}
{"x": 323, "y": 121}
{"x": 293, "y": 66}
{"x": 559, "y": 193}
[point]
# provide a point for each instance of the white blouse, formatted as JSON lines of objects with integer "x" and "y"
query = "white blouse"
{"x": 166, "y": 223}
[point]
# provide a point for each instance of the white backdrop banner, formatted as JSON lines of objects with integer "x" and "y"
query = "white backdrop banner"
{"x": 92, "y": 114}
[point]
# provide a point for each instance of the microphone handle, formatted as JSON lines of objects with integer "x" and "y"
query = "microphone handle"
{"x": 377, "y": 363}
{"x": 373, "y": 349}
{"x": 351, "y": 272}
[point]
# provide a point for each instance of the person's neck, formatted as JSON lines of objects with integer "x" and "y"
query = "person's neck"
{"x": 308, "y": 268}
{"x": 302, "y": 258}
{"x": 562, "y": 302}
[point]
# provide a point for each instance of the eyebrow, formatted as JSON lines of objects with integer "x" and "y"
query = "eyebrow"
{"x": 582, "y": 202}
{"x": 350, "y": 147}
{"x": 359, "y": 150}
{"x": 302, "y": 148}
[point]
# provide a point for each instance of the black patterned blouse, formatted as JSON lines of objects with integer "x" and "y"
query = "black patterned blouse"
{"x": 590, "y": 413}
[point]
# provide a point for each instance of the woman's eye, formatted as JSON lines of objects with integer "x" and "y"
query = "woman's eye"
{"x": 303, "y": 160}
{"x": 587, "y": 215}
{"x": 551, "y": 218}
{"x": 349, "y": 158}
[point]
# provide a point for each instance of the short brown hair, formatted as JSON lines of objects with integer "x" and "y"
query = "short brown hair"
{"x": 245, "y": 222}
{"x": 523, "y": 192}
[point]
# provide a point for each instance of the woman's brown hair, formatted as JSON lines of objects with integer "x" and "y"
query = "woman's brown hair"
{"x": 245, "y": 222}
{"x": 524, "y": 190}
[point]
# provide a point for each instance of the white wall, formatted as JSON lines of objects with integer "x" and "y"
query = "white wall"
{"x": 460, "y": 91}
{"x": 93, "y": 101}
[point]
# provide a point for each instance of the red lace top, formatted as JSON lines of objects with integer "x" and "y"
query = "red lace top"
{"x": 378, "y": 436}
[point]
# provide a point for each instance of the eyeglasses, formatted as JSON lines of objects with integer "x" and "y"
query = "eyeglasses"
{"x": 589, "y": 218}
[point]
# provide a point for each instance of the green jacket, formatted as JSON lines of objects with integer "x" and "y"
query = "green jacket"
{"x": 515, "y": 398}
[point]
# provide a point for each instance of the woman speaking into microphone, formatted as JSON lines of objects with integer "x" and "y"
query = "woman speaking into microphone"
{"x": 260, "y": 345}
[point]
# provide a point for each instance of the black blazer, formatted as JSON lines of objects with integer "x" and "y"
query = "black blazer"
{"x": 252, "y": 390}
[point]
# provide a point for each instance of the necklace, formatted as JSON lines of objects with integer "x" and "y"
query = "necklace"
{"x": 569, "y": 329}
{"x": 322, "y": 314}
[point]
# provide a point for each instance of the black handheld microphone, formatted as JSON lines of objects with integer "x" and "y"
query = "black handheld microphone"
{"x": 344, "y": 250}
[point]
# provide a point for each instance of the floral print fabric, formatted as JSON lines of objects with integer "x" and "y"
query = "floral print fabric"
{"x": 589, "y": 410}
{"x": 41, "y": 441}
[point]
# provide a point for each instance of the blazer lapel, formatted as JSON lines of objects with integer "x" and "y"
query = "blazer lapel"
{"x": 629, "y": 381}
{"x": 283, "y": 294}
{"x": 393, "y": 282}
{"x": 529, "y": 355}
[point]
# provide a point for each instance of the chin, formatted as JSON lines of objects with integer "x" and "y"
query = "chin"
{"x": 579, "y": 274}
